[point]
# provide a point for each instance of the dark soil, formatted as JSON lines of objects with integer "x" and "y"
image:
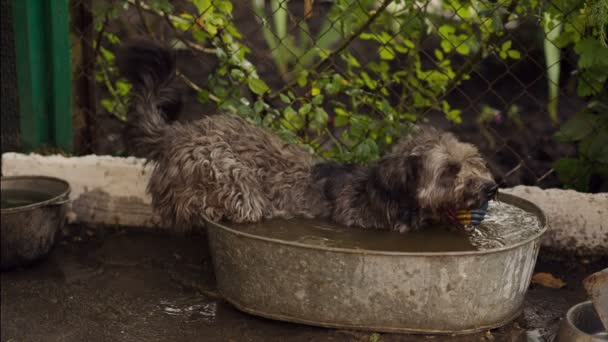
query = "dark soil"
{"x": 110, "y": 285}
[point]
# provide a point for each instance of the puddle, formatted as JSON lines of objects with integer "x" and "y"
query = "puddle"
{"x": 191, "y": 310}
{"x": 504, "y": 225}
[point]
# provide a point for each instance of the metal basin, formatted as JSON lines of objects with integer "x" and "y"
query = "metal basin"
{"x": 28, "y": 229}
{"x": 582, "y": 324}
{"x": 451, "y": 292}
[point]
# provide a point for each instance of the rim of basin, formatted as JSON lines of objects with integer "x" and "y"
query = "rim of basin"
{"x": 65, "y": 191}
{"x": 583, "y": 311}
{"x": 507, "y": 198}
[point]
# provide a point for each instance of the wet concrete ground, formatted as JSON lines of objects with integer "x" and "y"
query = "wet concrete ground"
{"x": 107, "y": 285}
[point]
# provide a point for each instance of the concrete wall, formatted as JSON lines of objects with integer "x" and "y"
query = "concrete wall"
{"x": 105, "y": 190}
{"x": 578, "y": 222}
{"x": 110, "y": 190}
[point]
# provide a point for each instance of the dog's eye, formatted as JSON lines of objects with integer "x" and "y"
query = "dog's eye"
{"x": 450, "y": 172}
{"x": 452, "y": 169}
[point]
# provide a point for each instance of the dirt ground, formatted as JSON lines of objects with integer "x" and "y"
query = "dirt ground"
{"x": 113, "y": 285}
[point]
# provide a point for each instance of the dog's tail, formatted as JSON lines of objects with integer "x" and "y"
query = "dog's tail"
{"x": 150, "y": 68}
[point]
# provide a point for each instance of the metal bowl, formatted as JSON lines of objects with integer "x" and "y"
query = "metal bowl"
{"x": 451, "y": 292}
{"x": 582, "y": 324}
{"x": 28, "y": 231}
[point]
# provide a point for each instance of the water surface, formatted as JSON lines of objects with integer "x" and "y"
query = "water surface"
{"x": 13, "y": 198}
{"x": 504, "y": 225}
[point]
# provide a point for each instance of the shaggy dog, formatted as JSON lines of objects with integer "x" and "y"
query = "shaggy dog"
{"x": 224, "y": 168}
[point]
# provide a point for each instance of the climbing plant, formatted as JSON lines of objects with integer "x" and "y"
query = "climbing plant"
{"x": 333, "y": 101}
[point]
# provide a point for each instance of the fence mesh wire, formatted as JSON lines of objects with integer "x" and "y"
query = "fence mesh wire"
{"x": 350, "y": 76}
{"x": 9, "y": 107}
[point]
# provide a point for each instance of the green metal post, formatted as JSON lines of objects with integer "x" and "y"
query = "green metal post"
{"x": 59, "y": 51}
{"x": 43, "y": 72}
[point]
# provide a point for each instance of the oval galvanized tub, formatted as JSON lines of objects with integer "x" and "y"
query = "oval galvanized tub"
{"x": 451, "y": 292}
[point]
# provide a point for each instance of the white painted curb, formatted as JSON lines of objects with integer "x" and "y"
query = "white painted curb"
{"x": 578, "y": 222}
{"x": 112, "y": 191}
{"x": 105, "y": 190}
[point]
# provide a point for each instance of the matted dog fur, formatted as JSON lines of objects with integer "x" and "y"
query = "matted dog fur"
{"x": 225, "y": 168}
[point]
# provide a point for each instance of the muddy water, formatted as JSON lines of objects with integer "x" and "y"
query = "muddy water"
{"x": 12, "y": 198}
{"x": 504, "y": 225}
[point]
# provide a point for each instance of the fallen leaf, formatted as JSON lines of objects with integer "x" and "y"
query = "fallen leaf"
{"x": 548, "y": 280}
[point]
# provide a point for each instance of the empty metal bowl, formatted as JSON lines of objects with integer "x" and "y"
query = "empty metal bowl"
{"x": 33, "y": 210}
{"x": 582, "y": 324}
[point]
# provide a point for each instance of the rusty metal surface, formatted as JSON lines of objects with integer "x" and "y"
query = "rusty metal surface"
{"x": 452, "y": 292}
{"x": 28, "y": 232}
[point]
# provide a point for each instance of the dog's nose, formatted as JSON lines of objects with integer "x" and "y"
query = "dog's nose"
{"x": 490, "y": 188}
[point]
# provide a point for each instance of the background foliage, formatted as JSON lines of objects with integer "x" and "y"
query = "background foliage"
{"x": 347, "y": 108}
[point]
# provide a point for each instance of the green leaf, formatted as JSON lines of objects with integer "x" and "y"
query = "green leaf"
{"x": 224, "y": 6}
{"x": 595, "y": 146}
{"x": 506, "y": 45}
{"x": 303, "y": 78}
{"x": 203, "y": 96}
{"x": 340, "y": 121}
{"x": 305, "y": 109}
{"x": 592, "y": 81}
{"x": 574, "y": 173}
{"x": 258, "y": 107}
{"x": 366, "y": 150}
{"x": 317, "y": 100}
{"x": 123, "y": 87}
{"x": 371, "y": 84}
{"x": 446, "y": 30}
{"x": 320, "y": 118}
{"x": 237, "y": 73}
{"x": 439, "y": 55}
{"x": 375, "y": 337}
{"x": 202, "y": 5}
{"x": 514, "y": 54}
{"x": 446, "y": 45}
{"x": 257, "y": 86}
{"x": 367, "y": 36}
{"x": 294, "y": 121}
{"x": 162, "y": 5}
{"x": 108, "y": 105}
{"x": 211, "y": 29}
{"x": 454, "y": 116}
{"x": 591, "y": 52}
{"x": 340, "y": 111}
{"x": 577, "y": 127}
{"x": 285, "y": 98}
{"x": 331, "y": 88}
{"x": 386, "y": 53}
{"x": 400, "y": 48}
{"x": 497, "y": 24}
{"x": 463, "y": 49}
{"x": 409, "y": 43}
{"x": 351, "y": 60}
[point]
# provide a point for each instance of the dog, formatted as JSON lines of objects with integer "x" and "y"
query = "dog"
{"x": 225, "y": 168}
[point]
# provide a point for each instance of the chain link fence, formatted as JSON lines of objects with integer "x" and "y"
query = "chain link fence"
{"x": 10, "y": 106}
{"x": 521, "y": 79}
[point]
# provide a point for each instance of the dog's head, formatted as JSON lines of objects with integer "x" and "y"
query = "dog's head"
{"x": 438, "y": 172}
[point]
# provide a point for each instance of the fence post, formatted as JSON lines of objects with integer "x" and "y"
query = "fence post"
{"x": 43, "y": 73}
